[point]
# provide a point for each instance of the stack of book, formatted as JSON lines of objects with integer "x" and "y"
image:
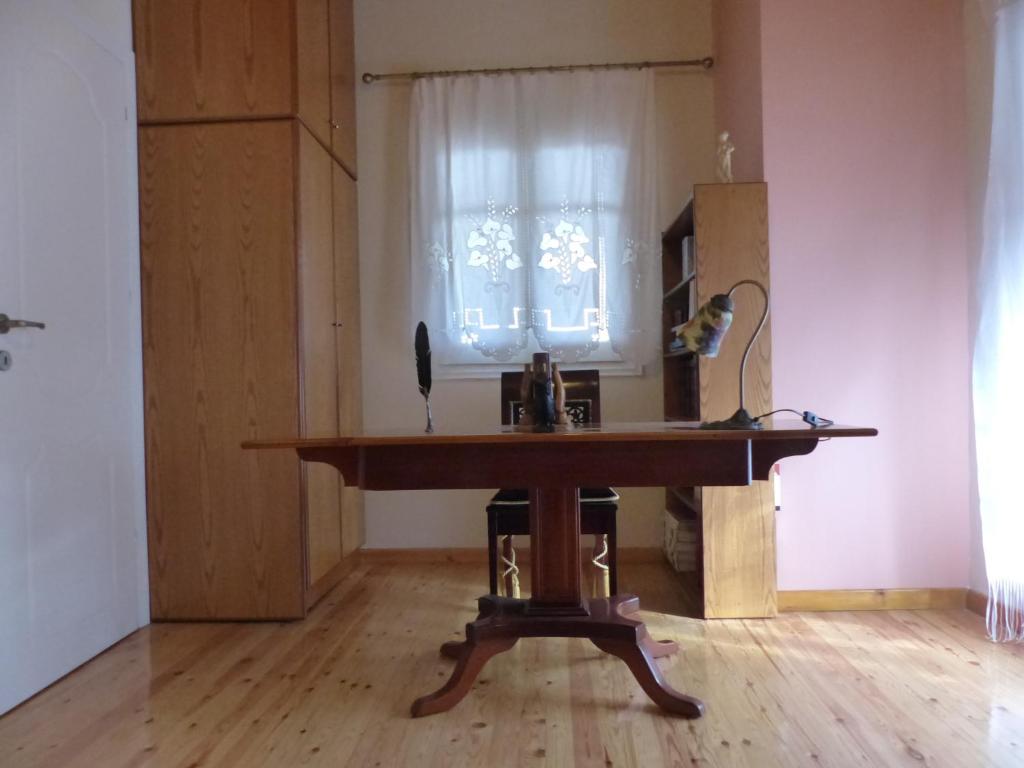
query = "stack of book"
{"x": 689, "y": 256}
{"x": 680, "y": 543}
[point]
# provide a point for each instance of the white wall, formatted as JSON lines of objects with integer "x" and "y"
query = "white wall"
{"x": 404, "y": 35}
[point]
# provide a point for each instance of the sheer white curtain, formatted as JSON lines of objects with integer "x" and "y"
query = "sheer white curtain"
{"x": 999, "y": 349}
{"x": 533, "y": 216}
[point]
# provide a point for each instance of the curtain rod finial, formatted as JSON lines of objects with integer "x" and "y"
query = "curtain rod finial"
{"x": 707, "y": 62}
{"x": 368, "y": 78}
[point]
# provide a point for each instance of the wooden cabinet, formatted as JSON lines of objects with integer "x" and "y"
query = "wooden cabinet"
{"x": 735, "y": 526}
{"x": 206, "y": 60}
{"x": 318, "y": 372}
{"x": 347, "y": 314}
{"x": 343, "y": 83}
{"x": 239, "y": 59}
{"x": 313, "y": 67}
{"x": 250, "y": 303}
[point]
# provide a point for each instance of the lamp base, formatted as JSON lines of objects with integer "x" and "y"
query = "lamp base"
{"x": 739, "y": 420}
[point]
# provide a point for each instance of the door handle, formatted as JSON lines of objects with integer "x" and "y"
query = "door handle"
{"x": 6, "y": 324}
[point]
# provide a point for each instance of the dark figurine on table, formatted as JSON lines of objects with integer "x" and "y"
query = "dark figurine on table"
{"x": 543, "y": 395}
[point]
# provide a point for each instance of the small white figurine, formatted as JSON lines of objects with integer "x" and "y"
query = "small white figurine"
{"x": 725, "y": 149}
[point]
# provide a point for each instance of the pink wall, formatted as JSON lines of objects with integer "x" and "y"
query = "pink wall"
{"x": 737, "y": 73}
{"x": 979, "y": 46}
{"x": 864, "y": 154}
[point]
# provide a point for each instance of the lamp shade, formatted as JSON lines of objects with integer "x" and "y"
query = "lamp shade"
{"x": 702, "y": 334}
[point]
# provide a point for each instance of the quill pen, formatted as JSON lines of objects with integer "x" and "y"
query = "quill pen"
{"x": 422, "y": 345}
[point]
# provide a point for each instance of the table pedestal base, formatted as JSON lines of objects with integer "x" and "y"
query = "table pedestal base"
{"x": 605, "y": 622}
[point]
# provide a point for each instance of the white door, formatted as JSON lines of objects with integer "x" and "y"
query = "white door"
{"x": 72, "y": 519}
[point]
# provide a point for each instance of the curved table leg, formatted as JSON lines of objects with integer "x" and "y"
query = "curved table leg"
{"x": 607, "y": 623}
{"x": 646, "y": 672}
{"x": 487, "y": 607}
{"x": 453, "y": 649}
{"x": 629, "y": 604}
{"x": 658, "y": 648}
{"x": 473, "y": 656}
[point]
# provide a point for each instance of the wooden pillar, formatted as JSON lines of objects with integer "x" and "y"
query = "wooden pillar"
{"x": 555, "y": 550}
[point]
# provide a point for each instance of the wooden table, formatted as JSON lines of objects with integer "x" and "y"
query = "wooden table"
{"x": 554, "y": 466}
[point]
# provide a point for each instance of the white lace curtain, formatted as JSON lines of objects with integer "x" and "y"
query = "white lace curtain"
{"x": 533, "y": 216}
{"x": 999, "y": 350}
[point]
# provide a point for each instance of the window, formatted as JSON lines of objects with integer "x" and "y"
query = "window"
{"x": 533, "y": 216}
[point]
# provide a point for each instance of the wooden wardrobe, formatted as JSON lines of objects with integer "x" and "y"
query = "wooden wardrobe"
{"x": 250, "y": 299}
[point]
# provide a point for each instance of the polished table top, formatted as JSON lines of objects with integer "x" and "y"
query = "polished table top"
{"x": 625, "y": 454}
{"x": 613, "y": 432}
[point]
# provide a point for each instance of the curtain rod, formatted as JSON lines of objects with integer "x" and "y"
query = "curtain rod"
{"x": 706, "y": 63}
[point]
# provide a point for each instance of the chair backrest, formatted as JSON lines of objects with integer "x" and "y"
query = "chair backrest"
{"x": 582, "y": 396}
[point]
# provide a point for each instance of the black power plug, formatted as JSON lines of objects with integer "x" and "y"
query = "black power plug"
{"x": 815, "y": 420}
{"x": 809, "y": 417}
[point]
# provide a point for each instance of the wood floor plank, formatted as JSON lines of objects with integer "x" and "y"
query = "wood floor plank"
{"x": 859, "y": 700}
{"x": 914, "y": 688}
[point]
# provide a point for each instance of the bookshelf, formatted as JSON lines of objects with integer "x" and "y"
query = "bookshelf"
{"x": 734, "y": 528}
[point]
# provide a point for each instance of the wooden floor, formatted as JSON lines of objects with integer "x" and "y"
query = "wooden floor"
{"x": 841, "y": 689}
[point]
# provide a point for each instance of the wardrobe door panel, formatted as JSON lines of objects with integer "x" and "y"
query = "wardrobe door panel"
{"x": 203, "y": 60}
{"x": 350, "y": 382}
{"x": 343, "y": 84}
{"x": 220, "y": 356}
{"x": 319, "y": 372}
{"x": 314, "y": 67}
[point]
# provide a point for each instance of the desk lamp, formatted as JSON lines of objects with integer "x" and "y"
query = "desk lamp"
{"x": 702, "y": 334}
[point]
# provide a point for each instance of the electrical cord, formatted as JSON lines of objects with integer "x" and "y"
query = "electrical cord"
{"x": 809, "y": 417}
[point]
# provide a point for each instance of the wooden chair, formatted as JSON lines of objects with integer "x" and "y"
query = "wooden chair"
{"x": 508, "y": 513}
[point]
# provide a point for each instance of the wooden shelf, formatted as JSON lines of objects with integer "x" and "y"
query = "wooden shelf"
{"x": 678, "y": 287}
{"x": 688, "y": 499}
{"x": 672, "y": 247}
{"x": 682, "y": 226}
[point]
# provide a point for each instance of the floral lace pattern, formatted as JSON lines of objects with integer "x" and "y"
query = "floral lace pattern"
{"x": 566, "y": 252}
{"x": 491, "y": 244}
{"x": 636, "y": 254}
{"x": 439, "y": 259}
{"x": 564, "y": 247}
